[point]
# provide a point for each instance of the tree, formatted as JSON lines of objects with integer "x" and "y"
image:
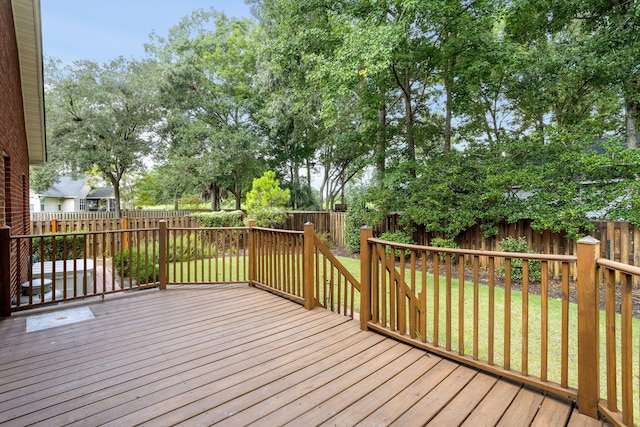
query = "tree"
{"x": 101, "y": 117}
{"x": 266, "y": 202}
{"x": 209, "y": 62}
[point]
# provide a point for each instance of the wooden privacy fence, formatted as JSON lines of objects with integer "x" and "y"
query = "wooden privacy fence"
{"x": 331, "y": 223}
{"x": 618, "y": 238}
{"x": 103, "y": 225}
{"x": 85, "y": 215}
{"x": 618, "y": 241}
{"x": 325, "y": 222}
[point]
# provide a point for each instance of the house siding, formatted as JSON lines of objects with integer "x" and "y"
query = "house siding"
{"x": 14, "y": 159}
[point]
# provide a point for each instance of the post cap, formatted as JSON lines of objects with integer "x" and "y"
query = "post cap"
{"x": 588, "y": 240}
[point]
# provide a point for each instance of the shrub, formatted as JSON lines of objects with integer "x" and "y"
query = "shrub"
{"x": 131, "y": 263}
{"x": 440, "y": 242}
{"x": 184, "y": 249}
{"x": 520, "y": 244}
{"x": 190, "y": 201}
{"x": 354, "y": 219}
{"x": 218, "y": 219}
{"x": 325, "y": 238}
{"x": 187, "y": 249}
{"x": 398, "y": 237}
{"x": 267, "y": 202}
{"x": 45, "y": 253}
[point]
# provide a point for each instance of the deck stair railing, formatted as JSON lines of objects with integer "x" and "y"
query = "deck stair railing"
{"x": 503, "y": 319}
{"x": 513, "y": 319}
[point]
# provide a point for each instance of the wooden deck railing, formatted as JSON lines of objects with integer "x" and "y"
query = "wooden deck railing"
{"x": 206, "y": 255}
{"x": 504, "y": 320}
{"x": 513, "y": 318}
{"x": 47, "y": 269}
{"x": 334, "y": 287}
{"x": 278, "y": 263}
{"x": 620, "y": 339}
{"x": 297, "y": 265}
{"x": 426, "y": 295}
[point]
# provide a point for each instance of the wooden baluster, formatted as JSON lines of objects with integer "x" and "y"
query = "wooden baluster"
{"x": 309, "y": 244}
{"x": 162, "y": 249}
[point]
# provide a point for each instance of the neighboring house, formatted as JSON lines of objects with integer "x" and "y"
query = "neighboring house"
{"x": 73, "y": 195}
{"x": 22, "y": 136}
{"x": 101, "y": 199}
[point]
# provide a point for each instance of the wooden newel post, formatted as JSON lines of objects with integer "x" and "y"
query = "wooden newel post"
{"x": 309, "y": 243}
{"x": 365, "y": 277}
{"x": 5, "y": 271}
{"x": 162, "y": 248}
{"x": 588, "y": 327}
{"x": 253, "y": 259}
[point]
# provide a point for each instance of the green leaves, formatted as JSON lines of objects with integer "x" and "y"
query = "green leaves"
{"x": 101, "y": 117}
{"x": 209, "y": 99}
{"x": 266, "y": 202}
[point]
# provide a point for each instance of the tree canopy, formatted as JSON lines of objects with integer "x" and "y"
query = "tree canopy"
{"x": 100, "y": 118}
{"x": 452, "y": 112}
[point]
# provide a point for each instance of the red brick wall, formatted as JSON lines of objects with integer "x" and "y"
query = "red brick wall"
{"x": 14, "y": 155}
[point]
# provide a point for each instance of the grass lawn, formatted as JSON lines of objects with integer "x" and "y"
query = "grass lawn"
{"x": 229, "y": 269}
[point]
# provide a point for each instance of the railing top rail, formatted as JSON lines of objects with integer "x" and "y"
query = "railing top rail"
{"x": 206, "y": 228}
{"x": 615, "y": 265}
{"x": 71, "y": 233}
{"x": 521, "y": 255}
{"x": 332, "y": 258}
{"x": 275, "y": 230}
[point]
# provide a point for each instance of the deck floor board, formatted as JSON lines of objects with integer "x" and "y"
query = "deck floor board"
{"x": 235, "y": 355}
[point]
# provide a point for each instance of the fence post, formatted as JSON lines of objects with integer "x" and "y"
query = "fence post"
{"x": 5, "y": 271}
{"x": 162, "y": 248}
{"x": 365, "y": 277}
{"x": 252, "y": 252}
{"x": 54, "y": 226}
{"x": 309, "y": 243}
{"x": 588, "y": 327}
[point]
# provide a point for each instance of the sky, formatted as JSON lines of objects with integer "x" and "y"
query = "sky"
{"x": 102, "y": 30}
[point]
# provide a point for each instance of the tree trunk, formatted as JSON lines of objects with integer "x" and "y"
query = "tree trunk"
{"x": 238, "y": 194}
{"x": 411, "y": 147}
{"x": 540, "y": 129}
{"x": 381, "y": 142}
{"x": 215, "y": 197}
{"x": 448, "y": 83}
{"x": 325, "y": 183}
{"x": 630, "y": 114}
{"x": 308, "y": 164}
{"x": 116, "y": 195}
{"x": 447, "y": 117}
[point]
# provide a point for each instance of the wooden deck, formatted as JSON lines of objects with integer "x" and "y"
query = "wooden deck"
{"x": 236, "y": 356}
